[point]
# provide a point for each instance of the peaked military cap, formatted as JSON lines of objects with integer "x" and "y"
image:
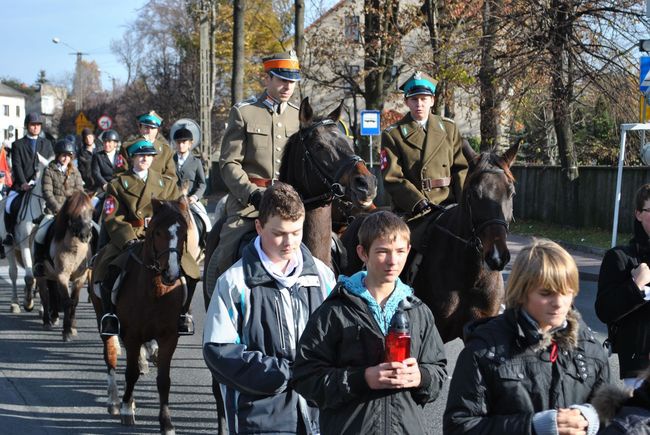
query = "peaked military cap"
{"x": 141, "y": 147}
{"x": 152, "y": 119}
{"x": 419, "y": 84}
{"x": 284, "y": 65}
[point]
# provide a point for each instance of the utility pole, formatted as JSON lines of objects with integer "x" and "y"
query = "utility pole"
{"x": 207, "y": 14}
{"x": 78, "y": 79}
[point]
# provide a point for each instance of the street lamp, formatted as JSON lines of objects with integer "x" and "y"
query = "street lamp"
{"x": 78, "y": 83}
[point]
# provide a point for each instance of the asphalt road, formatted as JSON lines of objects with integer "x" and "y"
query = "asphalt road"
{"x": 51, "y": 387}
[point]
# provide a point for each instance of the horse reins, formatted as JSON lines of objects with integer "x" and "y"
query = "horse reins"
{"x": 333, "y": 184}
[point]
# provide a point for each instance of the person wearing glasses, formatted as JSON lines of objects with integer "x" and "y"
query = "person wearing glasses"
{"x": 624, "y": 292}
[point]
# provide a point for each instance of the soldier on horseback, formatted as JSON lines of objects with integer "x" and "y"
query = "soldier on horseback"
{"x": 127, "y": 211}
{"x": 421, "y": 159}
{"x": 24, "y": 160}
{"x": 251, "y": 150}
{"x": 60, "y": 180}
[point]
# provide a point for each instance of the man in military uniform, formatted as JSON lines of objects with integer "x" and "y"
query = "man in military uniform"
{"x": 421, "y": 159}
{"x": 127, "y": 210}
{"x": 149, "y": 126}
{"x": 252, "y": 148}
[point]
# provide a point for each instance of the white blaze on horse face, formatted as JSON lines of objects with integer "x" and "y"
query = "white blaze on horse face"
{"x": 495, "y": 254}
{"x": 173, "y": 262}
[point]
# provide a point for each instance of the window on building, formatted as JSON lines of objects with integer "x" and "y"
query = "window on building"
{"x": 18, "y": 111}
{"x": 6, "y": 132}
{"x": 352, "y": 28}
{"x": 6, "y": 107}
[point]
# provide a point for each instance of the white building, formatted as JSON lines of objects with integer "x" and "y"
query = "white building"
{"x": 12, "y": 113}
{"x": 48, "y": 101}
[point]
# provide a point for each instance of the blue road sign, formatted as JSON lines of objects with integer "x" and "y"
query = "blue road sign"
{"x": 371, "y": 122}
{"x": 645, "y": 74}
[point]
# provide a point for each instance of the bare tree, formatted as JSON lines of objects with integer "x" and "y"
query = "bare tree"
{"x": 237, "y": 85}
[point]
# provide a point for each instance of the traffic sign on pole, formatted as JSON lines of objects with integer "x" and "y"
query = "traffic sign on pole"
{"x": 371, "y": 122}
{"x": 105, "y": 122}
{"x": 645, "y": 74}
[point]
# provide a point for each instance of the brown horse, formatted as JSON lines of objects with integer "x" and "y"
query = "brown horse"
{"x": 149, "y": 305}
{"x": 458, "y": 254}
{"x": 70, "y": 254}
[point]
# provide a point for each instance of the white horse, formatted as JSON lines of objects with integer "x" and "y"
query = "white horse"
{"x": 20, "y": 254}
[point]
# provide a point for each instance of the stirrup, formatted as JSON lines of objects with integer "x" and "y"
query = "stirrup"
{"x": 107, "y": 322}
{"x": 185, "y": 325}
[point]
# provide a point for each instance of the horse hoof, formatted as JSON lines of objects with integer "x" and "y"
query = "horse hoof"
{"x": 73, "y": 332}
{"x": 67, "y": 336}
{"x": 29, "y": 307}
{"x": 15, "y": 309}
{"x": 47, "y": 326}
{"x": 114, "y": 409}
{"x": 168, "y": 432}
{"x": 127, "y": 420}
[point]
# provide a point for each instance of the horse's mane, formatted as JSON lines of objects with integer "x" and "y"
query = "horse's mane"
{"x": 294, "y": 149}
{"x": 487, "y": 159}
{"x": 73, "y": 206}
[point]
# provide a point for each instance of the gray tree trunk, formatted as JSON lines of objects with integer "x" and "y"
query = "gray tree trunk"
{"x": 489, "y": 101}
{"x": 237, "y": 84}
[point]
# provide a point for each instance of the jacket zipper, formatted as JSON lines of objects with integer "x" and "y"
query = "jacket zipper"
{"x": 277, "y": 316}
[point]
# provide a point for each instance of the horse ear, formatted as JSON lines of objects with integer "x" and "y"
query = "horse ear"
{"x": 156, "y": 204}
{"x": 511, "y": 153}
{"x": 306, "y": 113}
{"x": 336, "y": 113}
{"x": 468, "y": 152}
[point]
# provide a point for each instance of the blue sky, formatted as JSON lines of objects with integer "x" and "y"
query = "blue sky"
{"x": 28, "y": 27}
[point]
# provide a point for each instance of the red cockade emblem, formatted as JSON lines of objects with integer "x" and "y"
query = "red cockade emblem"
{"x": 383, "y": 159}
{"x": 119, "y": 162}
{"x": 109, "y": 205}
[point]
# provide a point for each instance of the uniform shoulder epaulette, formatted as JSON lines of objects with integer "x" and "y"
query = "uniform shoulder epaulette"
{"x": 289, "y": 103}
{"x": 444, "y": 118}
{"x": 390, "y": 127}
{"x": 247, "y": 102}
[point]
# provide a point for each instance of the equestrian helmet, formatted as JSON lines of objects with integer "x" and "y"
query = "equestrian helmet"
{"x": 182, "y": 134}
{"x": 33, "y": 118}
{"x": 111, "y": 135}
{"x": 65, "y": 146}
{"x": 141, "y": 147}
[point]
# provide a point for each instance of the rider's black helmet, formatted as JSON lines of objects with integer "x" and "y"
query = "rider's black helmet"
{"x": 65, "y": 146}
{"x": 111, "y": 135}
{"x": 33, "y": 118}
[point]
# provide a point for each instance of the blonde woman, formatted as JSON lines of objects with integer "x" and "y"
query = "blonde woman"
{"x": 532, "y": 369}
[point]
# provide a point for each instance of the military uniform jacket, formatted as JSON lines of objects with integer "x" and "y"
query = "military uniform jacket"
{"x": 24, "y": 162}
{"x": 163, "y": 163}
{"x": 413, "y": 162}
{"x": 252, "y": 147}
{"x": 128, "y": 203}
{"x": 191, "y": 172}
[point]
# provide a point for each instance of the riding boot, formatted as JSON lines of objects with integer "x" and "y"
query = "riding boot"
{"x": 40, "y": 256}
{"x": 109, "y": 324}
{"x": 186, "y": 321}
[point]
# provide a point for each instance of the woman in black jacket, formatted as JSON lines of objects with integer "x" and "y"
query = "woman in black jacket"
{"x": 532, "y": 369}
{"x": 623, "y": 294}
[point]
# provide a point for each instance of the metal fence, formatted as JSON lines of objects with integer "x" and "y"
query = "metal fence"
{"x": 545, "y": 194}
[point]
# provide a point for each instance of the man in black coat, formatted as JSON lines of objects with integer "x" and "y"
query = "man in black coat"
{"x": 188, "y": 167}
{"x": 87, "y": 150}
{"x": 24, "y": 165}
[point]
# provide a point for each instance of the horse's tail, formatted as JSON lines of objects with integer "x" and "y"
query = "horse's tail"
{"x": 113, "y": 350}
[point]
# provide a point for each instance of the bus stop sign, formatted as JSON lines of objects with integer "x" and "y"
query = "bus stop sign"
{"x": 370, "y": 122}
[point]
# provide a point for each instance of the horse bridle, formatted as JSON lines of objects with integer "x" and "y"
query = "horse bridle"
{"x": 333, "y": 184}
{"x": 474, "y": 240}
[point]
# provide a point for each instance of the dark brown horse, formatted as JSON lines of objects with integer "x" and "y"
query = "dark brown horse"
{"x": 148, "y": 306}
{"x": 320, "y": 163}
{"x": 457, "y": 255}
{"x": 70, "y": 254}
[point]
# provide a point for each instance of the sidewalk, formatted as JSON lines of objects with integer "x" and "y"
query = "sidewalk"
{"x": 587, "y": 259}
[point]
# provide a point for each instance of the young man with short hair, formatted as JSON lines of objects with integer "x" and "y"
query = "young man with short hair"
{"x": 340, "y": 363}
{"x": 258, "y": 310}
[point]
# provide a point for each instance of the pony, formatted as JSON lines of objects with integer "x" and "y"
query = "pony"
{"x": 69, "y": 250}
{"x": 149, "y": 305}
{"x": 20, "y": 254}
{"x": 458, "y": 252}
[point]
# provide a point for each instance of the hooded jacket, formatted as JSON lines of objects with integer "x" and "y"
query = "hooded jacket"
{"x": 621, "y": 304}
{"x": 341, "y": 340}
{"x": 504, "y": 375}
{"x": 247, "y": 343}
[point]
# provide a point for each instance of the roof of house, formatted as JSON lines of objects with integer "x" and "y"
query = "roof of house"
{"x": 8, "y": 91}
{"x": 327, "y": 13}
